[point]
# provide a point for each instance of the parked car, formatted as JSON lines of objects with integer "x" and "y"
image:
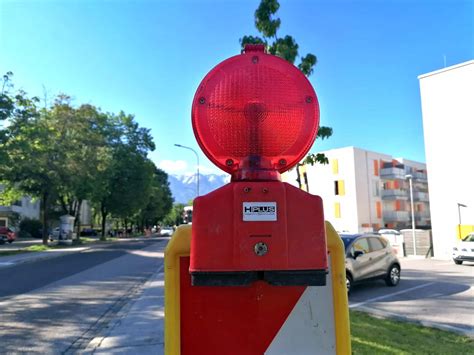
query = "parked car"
{"x": 7, "y": 234}
{"x": 370, "y": 257}
{"x": 464, "y": 250}
{"x": 166, "y": 231}
{"x": 88, "y": 232}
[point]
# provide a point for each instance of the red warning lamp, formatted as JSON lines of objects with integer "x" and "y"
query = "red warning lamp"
{"x": 255, "y": 115}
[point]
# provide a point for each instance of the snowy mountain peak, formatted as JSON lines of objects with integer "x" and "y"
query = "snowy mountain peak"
{"x": 183, "y": 187}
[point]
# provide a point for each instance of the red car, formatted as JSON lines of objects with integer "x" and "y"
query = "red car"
{"x": 7, "y": 235}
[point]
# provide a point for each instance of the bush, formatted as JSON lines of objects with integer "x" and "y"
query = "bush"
{"x": 32, "y": 227}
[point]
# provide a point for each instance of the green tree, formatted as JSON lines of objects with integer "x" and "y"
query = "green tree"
{"x": 160, "y": 200}
{"x": 83, "y": 145}
{"x": 29, "y": 163}
{"x": 175, "y": 216}
{"x": 123, "y": 186}
{"x": 286, "y": 47}
{"x": 63, "y": 155}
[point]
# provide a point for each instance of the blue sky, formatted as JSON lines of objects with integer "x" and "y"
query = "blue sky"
{"x": 148, "y": 57}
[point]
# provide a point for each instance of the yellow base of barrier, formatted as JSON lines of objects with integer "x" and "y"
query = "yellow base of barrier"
{"x": 180, "y": 245}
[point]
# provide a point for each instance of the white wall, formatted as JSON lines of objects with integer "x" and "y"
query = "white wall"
{"x": 366, "y": 181}
{"x": 447, "y": 101}
{"x": 321, "y": 182}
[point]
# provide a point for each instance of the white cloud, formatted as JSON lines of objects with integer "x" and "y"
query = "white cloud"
{"x": 173, "y": 166}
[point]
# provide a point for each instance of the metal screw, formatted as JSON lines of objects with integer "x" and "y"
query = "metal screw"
{"x": 282, "y": 162}
{"x": 260, "y": 249}
{"x": 229, "y": 162}
{"x": 202, "y": 100}
{"x": 309, "y": 99}
{"x": 255, "y": 59}
{"x": 247, "y": 189}
{"x": 264, "y": 190}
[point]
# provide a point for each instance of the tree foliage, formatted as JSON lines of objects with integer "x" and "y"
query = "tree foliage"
{"x": 63, "y": 155}
{"x": 175, "y": 215}
{"x": 285, "y": 47}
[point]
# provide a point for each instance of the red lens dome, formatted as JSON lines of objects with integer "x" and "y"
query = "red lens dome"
{"x": 255, "y": 110}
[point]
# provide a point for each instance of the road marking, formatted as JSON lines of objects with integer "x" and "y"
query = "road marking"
{"x": 6, "y": 263}
{"x": 370, "y": 300}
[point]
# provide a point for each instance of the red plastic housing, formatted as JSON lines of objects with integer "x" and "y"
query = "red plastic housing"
{"x": 230, "y": 223}
{"x": 255, "y": 111}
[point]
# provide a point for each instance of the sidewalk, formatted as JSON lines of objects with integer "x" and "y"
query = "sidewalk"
{"x": 139, "y": 326}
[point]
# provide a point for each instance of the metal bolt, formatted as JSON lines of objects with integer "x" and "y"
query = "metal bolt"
{"x": 309, "y": 99}
{"x": 265, "y": 190}
{"x": 202, "y": 100}
{"x": 260, "y": 249}
{"x": 247, "y": 189}
{"x": 282, "y": 162}
{"x": 255, "y": 59}
{"x": 229, "y": 162}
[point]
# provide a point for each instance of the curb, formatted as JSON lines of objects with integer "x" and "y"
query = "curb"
{"x": 388, "y": 315}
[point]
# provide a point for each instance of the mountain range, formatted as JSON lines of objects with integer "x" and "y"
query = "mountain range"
{"x": 183, "y": 187}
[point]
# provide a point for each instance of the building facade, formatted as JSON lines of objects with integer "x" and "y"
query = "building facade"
{"x": 23, "y": 208}
{"x": 447, "y": 102}
{"x": 366, "y": 191}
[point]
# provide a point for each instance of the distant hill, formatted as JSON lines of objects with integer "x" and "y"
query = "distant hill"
{"x": 183, "y": 187}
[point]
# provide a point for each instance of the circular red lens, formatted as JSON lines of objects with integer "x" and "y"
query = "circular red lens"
{"x": 256, "y": 109}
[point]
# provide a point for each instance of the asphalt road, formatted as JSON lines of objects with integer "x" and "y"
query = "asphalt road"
{"x": 432, "y": 292}
{"x": 57, "y": 305}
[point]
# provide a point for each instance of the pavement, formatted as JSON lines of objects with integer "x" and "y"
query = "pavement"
{"x": 138, "y": 327}
{"x": 433, "y": 293}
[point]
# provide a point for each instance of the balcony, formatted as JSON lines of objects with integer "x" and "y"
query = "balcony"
{"x": 421, "y": 196}
{"x": 392, "y": 173}
{"x": 396, "y": 216}
{"x": 420, "y": 177}
{"x": 395, "y": 194}
{"x": 422, "y": 215}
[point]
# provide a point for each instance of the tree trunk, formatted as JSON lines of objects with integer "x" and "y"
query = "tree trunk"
{"x": 77, "y": 220}
{"x": 44, "y": 217}
{"x": 125, "y": 223}
{"x": 103, "y": 212}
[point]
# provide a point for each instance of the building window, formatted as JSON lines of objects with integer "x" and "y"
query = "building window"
{"x": 376, "y": 167}
{"x": 17, "y": 203}
{"x": 335, "y": 166}
{"x": 337, "y": 210}
{"x": 339, "y": 188}
{"x": 376, "y": 188}
{"x": 378, "y": 207}
{"x": 3, "y": 222}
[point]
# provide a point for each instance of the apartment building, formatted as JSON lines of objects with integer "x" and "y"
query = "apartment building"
{"x": 24, "y": 208}
{"x": 448, "y": 124}
{"x": 365, "y": 191}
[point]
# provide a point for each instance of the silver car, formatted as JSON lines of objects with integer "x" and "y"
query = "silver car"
{"x": 370, "y": 257}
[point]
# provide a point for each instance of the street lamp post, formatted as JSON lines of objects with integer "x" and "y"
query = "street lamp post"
{"x": 459, "y": 214}
{"x": 410, "y": 178}
{"x": 197, "y": 159}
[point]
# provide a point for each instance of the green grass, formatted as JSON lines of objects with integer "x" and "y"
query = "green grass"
{"x": 383, "y": 336}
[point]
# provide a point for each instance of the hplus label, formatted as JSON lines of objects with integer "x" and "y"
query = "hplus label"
{"x": 259, "y": 211}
